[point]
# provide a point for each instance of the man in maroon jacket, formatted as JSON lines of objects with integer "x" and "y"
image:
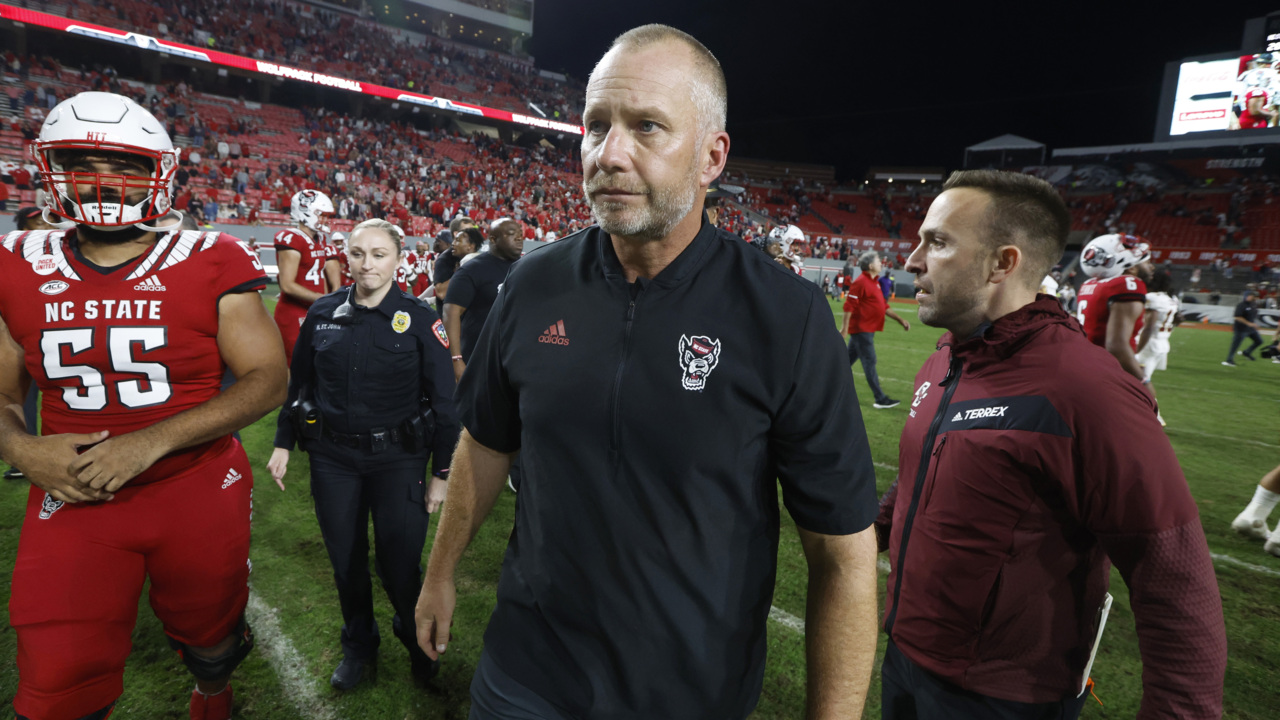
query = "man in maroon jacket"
{"x": 1029, "y": 461}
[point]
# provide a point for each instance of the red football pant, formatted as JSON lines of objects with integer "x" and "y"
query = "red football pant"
{"x": 80, "y": 572}
{"x": 290, "y": 326}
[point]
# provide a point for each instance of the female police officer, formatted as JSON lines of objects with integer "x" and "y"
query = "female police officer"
{"x": 370, "y": 399}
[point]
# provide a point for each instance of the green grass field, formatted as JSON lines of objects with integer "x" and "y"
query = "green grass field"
{"x": 1223, "y": 423}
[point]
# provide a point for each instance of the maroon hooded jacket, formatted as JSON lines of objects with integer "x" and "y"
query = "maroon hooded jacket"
{"x": 1028, "y": 460}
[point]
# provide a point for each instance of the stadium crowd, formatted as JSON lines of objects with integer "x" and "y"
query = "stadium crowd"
{"x": 307, "y": 37}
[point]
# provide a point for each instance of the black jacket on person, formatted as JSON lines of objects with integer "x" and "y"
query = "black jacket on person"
{"x": 374, "y": 369}
{"x": 654, "y": 422}
{"x": 1247, "y": 309}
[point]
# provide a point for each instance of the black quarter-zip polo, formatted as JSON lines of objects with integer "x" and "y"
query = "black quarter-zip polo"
{"x": 654, "y": 420}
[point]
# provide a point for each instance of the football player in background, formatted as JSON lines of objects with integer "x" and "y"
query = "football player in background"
{"x": 1157, "y": 325}
{"x": 1111, "y": 301}
{"x": 407, "y": 270}
{"x": 1254, "y": 95}
{"x": 1252, "y": 521}
{"x": 780, "y": 245}
{"x": 424, "y": 268}
{"x": 1049, "y": 285}
{"x": 302, "y": 255}
{"x": 1257, "y": 109}
{"x": 335, "y": 264}
{"x": 127, "y": 323}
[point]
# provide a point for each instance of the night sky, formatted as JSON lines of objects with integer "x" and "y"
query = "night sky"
{"x": 856, "y": 84}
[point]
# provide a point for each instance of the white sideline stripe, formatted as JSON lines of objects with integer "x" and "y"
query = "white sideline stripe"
{"x": 1198, "y": 390}
{"x": 286, "y": 661}
{"x": 886, "y": 466}
{"x": 1176, "y": 430}
{"x": 786, "y": 619}
{"x": 1247, "y": 566}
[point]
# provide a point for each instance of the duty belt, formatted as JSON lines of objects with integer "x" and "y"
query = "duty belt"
{"x": 375, "y": 441}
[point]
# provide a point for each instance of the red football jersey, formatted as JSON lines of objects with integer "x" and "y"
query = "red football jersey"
{"x": 344, "y": 266}
{"x": 1249, "y": 121}
{"x": 310, "y": 270}
{"x": 407, "y": 271}
{"x": 123, "y": 348}
{"x": 332, "y": 252}
{"x": 1094, "y": 305}
{"x": 426, "y": 270}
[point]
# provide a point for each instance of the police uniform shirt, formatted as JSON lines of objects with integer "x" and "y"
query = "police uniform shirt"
{"x": 475, "y": 287}
{"x": 370, "y": 370}
{"x": 653, "y": 422}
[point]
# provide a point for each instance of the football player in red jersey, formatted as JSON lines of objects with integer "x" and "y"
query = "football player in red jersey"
{"x": 1111, "y": 301}
{"x": 127, "y": 324}
{"x": 302, "y": 254}
{"x": 1258, "y": 111}
{"x": 333, "y": 271}
{"x": 424, "y": 268}
{"x": 407, "y": 270}
{"x": 339, "y": 244}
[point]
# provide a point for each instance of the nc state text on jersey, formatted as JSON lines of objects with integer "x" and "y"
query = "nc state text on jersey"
{"x": 106, "y": 309}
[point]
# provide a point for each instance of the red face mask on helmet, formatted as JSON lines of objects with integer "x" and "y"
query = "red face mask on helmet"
{"x": 96, "y": 126}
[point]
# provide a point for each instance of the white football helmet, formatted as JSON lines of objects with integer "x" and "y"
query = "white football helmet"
{"x": 785, "y": 236}
{"x": 104, "y": 126}
{"x": 310, "y": 208}
{"x": 1107, "y": 256}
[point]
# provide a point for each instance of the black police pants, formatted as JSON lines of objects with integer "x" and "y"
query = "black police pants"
{"x": 349, "y": 485}
{"x": 909, "y": 692}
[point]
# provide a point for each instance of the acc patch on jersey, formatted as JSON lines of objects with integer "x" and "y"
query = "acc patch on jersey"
{"x": 400, "y": 322}
{"x": 53, "y": 287}
{"x": 438, "y": 328}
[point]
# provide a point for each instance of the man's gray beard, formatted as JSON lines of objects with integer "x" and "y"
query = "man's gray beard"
{"x": 655, "y": 221}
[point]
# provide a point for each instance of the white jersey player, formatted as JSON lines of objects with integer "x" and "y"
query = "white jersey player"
{"x": 1049, "y": 285}
{"x": 1161, "y": 315}
{"x": 780, "y": 246}
{"x": 1260, "y": 74}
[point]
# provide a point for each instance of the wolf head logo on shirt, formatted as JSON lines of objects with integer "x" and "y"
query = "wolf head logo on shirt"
{"x": 49, "y": 507}
{"x": 699, "y": 355}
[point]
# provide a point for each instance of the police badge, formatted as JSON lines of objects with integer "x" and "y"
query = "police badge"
{"x": 400, "y": 322}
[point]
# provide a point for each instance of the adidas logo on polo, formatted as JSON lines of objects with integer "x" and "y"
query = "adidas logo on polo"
{"x": 232, "y": 477}
{"x": 150, "y": 284}
{"x": 555, "y": 334}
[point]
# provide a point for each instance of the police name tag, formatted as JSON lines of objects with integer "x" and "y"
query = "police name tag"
{"x": 400, "y": 322}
